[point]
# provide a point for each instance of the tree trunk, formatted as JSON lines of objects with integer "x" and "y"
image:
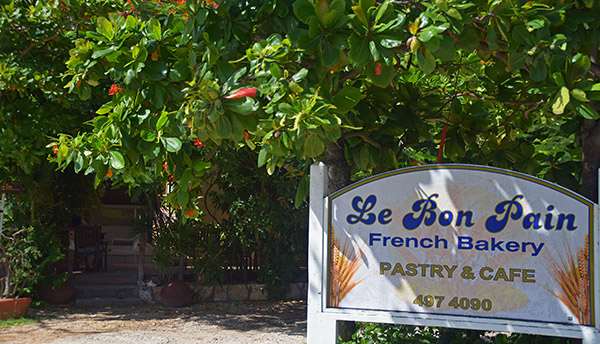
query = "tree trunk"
{"x": 339, "y": 170}
{"x": 339, "y": 177}
{"x": 590, "y": 149}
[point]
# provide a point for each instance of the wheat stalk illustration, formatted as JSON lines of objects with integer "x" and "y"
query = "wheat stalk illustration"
{"x": 572, "y": 277}
{"x": 344, "y": 265}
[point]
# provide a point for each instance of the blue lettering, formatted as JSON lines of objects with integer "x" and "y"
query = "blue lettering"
{"x": 384, "y": 216}
{"x": 532, "y": 219}
{"x": 570, "y": 222}
{"x": 446, "y": 218}
{"x": 494, "y": 225}
{"x": 427, "y": 207}
{"x": 465, "y": 243}
{"x": 373, "y": 237}
{"x": 468, "y": 215}
{"x": 367, "y": 205}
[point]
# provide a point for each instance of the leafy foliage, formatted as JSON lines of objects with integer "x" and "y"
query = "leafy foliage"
{"x": 18, "y": 255}
{"x": 262, "y": 219}
{"x": 377, "y": 78}
{"x": 390, "y": 334}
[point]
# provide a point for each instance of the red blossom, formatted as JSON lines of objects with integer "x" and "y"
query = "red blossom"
{"x": 378, "y": 68}
{"x": 210, "y": 3}
{"x": 198, "y": 143}
{"x": 55, "y": 149}
{"x": 244, "y": 92}
{"x": 114, "y": 89}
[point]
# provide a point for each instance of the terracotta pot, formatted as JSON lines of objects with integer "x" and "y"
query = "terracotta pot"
{"x": 13, "y": 308}
{"x": 62, "y": 294}
{"x": 176, "y": 294}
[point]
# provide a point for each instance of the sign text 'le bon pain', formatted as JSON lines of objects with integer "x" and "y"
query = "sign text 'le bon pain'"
{"x": 462, "y": 240}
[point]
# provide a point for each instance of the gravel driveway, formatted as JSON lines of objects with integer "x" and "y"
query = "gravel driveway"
{"x": 230, "y": 323}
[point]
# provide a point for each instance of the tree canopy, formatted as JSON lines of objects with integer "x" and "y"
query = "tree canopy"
{"x": 364, "y": 85}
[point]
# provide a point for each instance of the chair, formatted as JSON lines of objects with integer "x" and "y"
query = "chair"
{"x": 122, "y": 247}
{"x": 85, "y": 241}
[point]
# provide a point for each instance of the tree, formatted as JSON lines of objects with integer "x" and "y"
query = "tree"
{"x": 34, "y": 106}
{"x": 366, "y": 86}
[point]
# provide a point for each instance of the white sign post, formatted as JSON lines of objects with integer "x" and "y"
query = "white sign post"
{"x": 459, "y": 246}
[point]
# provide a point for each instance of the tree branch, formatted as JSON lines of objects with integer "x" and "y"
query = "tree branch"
{"x": 365, "y": 137}
{"x": 492, "y": 100}
{"x": 35, "y": 44}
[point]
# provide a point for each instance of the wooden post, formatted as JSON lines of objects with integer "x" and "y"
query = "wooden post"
{"x": 71, "y": 251}
{"x": 320, "y": 328}
{"x": 141, "y": 258}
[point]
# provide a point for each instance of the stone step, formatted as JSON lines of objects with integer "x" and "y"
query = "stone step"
{"x": 106, "y": 290}
{"x": 108, "y": 302}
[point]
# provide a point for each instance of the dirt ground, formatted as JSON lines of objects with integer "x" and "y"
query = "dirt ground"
{"x": 233, "y": 322}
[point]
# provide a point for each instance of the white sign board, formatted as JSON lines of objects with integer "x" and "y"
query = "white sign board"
{"x": 472, "y": 245}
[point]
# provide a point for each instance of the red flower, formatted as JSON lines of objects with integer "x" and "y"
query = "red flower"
{"x": 114, "y": 89}
{"x": 377, "y": 68}
{"x": 55, "y": 149}
{"x": 198, "y": 143}
{"x": 244, "y": 92}
{"x": 210, "y": 3}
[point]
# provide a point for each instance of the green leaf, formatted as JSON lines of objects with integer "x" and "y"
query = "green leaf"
{"x": 243, "y": 106}
{"x": 116, "y": 160}
{"x": 330, "y": 55}
{"x": 586, "y": 111}
{"x": 561, "y": 100}
{"x": 156, "y": 70}
{"x": 453, "y": 12}
{"x": 346, "y": 98}
{"x": 539, "y": 71}
{"x": 579, "y": 95}
{"x": 105, "y": 28}
{"x": 85, "y": 92}
{"x": 385, "y": 77}
{"x": 381, "y": 11}
{"x": 522, "y": 36}
{"x": 172, "y": 144}
{"x": 468, "y": 39}
{"x": 200, "y": 165}
{"x": 262, "y": 156}
{"x": 275, "y": 70}
{"x": 313, "y": 146}
{"x": 428, "y": 33}
{"x": 426, "y": 62}
{"x": 162, "y": 120}
{"x": 180, "y": 71}
{"x": 155, "y": 29}
{"x": 360, "y": 14}
{"x": 300, "y": 75}
{"x": 148, "y": 135}
{"x": 303, "y": 10}
{"x": 78, "y": 164}
{"x": 160, "y": 96}
{"x": 182, "y": 198}
{"x": 129, "y": 76}
{"x": 517, "y": 60}
{"x": 185, "y": 179}
{"x": 223, "y": 126}
{"x": 359, "y": 50}
{"x": 302, "y": 191}
{"x": 105, "y": 108}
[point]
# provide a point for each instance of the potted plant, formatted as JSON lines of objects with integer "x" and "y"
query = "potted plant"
{"x": 18, "y": 271}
